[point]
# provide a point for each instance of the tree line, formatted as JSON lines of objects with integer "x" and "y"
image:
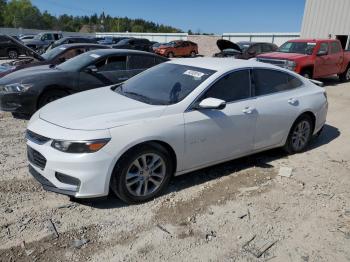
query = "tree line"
{"x": 22, "y": 13}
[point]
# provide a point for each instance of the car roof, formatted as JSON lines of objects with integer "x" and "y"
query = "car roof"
{"x": 312, "y": 40}
{"x": 111, "y": 51}
{"x": 221, "y": 64}
{"x": 83, "y": 45}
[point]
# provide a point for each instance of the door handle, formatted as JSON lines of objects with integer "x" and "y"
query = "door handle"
{"x": 292, "y": 101}
{"x": 248, "y": 110}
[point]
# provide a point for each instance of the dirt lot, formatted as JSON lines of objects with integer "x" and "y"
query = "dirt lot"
{"x": 231, "y": 212}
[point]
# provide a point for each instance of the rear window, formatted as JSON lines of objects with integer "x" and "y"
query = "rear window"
{"x": 268, "y": 81}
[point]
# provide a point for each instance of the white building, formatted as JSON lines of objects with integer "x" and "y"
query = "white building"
{"x": 327, "y": 19}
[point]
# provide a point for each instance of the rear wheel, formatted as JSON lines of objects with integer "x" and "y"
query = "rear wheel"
{"x": 170, "y": 54}
{"x": 50, "y": 96}
{"x": 300, "y": 135}
{"x": 12, "y": 54}
{"x": 193, "y": 54}
{"x": 345, "y": 77}
{"x": 142, "y": 173}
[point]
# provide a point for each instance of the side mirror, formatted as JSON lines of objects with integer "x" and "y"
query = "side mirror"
{"x": 322, "y": 53}
{"x": 91, "y": 69}
{"x": 212, "y": 103}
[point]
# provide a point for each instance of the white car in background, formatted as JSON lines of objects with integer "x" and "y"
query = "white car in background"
{"x": 177, "y": 117}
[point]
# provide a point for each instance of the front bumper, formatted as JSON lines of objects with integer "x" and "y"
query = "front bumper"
{"x": 84, "y": 175}
{"x": 23, "y": 103}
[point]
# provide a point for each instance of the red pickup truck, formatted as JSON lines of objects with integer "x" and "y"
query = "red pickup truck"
{"x": 312, "y": 58}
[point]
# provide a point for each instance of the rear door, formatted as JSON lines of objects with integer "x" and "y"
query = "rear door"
{"x": 278, "y": 98}
{"x": 217, "y": 135}
{"x": 323, "y": 61}
{"x": 114, "y": 69}
{"x": 337, "y": 57}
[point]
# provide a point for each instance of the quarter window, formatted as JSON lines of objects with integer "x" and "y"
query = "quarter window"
{"x": 232, "y": 87}
{"x": 268, "y": 81}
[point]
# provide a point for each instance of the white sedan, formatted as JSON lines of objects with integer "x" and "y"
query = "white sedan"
{"x": 177, "y": 117}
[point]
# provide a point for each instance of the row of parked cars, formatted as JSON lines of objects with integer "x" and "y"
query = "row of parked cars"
{"x": 130, "y": 120}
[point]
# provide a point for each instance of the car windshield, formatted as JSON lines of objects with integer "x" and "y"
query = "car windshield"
{"x": 79, "y": 62}
{"x": 51, "y": 54}
{"x": 244, "y": 46}
{"x": 164, "y": 84}
{"x": 298, "y": 47}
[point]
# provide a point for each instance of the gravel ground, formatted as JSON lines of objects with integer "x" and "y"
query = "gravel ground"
{"x": 238, "y": 211}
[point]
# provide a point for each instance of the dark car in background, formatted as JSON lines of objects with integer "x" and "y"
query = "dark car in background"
{"x": 72, "y": 40}
{"x": 110, "y": 40}
{"x": 141, "y": 44}
{"x": 23, "y": 92}
{"x": 54, "y": 56}
{"x": 11, "y": 47}
{"x": 177, "y": 48}
{"x": 244, "y": 49}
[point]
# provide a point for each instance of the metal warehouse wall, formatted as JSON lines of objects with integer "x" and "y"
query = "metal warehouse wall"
{"x": 324, "y": 17}
{"x": 277, "y": 38}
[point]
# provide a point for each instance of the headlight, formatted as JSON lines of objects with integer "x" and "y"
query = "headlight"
{"x": 290, "y": 65}
{"x": 90, "y": 146}
{"x": 15, "y": 88}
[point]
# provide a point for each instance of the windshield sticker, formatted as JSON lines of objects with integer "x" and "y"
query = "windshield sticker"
{"x": 63, "y": 48}
{"x": 195, "y": 74}
{"x": 94, "y": 56}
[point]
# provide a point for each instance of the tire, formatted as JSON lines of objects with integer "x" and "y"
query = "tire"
{"x": 50, "y": 96}
{"x": 139, "y": 175}
{"x": 306, "y": 73}
{"x": 299, "y": 135}
{"x": 12, "y": 54}
{"x": 345, "y": 77}
{"x": 170, "y": 55}
{"x": 193, "y": 54}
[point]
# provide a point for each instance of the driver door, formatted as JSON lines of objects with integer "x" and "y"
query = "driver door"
{"x": 213, "y": 135}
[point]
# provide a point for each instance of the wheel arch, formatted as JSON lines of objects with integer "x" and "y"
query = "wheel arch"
{"x": 51, "y": 88}
{"x": 307, "y": 68}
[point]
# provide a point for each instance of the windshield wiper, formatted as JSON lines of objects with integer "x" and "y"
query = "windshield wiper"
{"x": 143, "y": 97}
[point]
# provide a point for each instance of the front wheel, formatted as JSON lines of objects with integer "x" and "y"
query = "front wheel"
{"x": 142, "y": 173}
{"x": 193, "y": 54}
{"x": 50, "y": 96}
{"x": 300, "y": 135}
{"x": 170, "y": 55}
{"x": 12, "y": 54}
{"x": 345, "y": 76}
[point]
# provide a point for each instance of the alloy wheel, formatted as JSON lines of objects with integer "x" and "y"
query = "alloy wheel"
{"x": 12, "y": 54}
{"x": 301, "y": 135}
{"x": 347, "y": 76}
{"x": 145, "y": 174}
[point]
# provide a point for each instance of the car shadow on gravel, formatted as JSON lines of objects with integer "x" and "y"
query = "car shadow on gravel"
{"x": 260, "y": 160}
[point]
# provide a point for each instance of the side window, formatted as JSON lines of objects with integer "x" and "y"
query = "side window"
{"x": 255, "y": 49}
{"x": 56, "y": 36}
{"x": 268, "y": 81}
{"x": 335, "y": 47}
{"x": 232, "y": 87}
{"x": 266, "y": 48}
{"x": 141, "y": 62}
{"x": 323, "y": 48}
{"x": 47, "y": 37}
{"x": 112, "y": 64}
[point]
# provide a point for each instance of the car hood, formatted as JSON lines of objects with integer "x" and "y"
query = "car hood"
{"x": 98, "y": 109}
{"x": 28, "y": 51}
{"x": 281, "y": 55}
{"x": 26, "y": 73}
{"x": 226, "y": 44}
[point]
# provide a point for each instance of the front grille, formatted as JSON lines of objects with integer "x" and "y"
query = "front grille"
{"x": 36, "y": 138}
{"x": 36, "y": 158}
{"x": 273, "y": 61}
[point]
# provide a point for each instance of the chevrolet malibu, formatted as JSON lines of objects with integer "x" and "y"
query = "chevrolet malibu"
{"x": 174, "y": 118}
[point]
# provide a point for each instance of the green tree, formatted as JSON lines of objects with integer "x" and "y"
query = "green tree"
{"x": 2, "y": 11}
{"x": 21, "y": 13}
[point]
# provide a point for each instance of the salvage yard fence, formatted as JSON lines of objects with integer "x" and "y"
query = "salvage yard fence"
{"x": 276, "y": 38}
